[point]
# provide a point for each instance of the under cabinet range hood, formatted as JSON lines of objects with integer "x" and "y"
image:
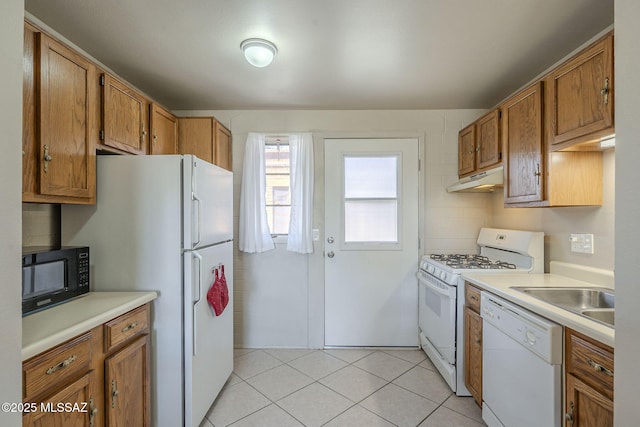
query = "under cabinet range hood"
{"x": 483, "y": 182}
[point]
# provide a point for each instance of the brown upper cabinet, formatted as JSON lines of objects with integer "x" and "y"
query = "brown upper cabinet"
{"x": 479, "y": 145}
{"x": 206, "y": 138}
{"x": 536, "y": 177}
{"x": 580, "y": 97}
{"x": 164, "y": 131}
{"x": 523, "y": 146}
{"x": 125, "y": 117}
{"x": 223, "y": 148}
{"x": 59, "y": 98}
{"x": 196, "y": 136}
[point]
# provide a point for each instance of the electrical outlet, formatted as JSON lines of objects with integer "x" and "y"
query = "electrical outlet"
{"x": 582, "y": 243}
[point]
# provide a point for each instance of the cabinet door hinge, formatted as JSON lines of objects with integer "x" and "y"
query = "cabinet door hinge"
{"x": 102, "y": 135}
{"x": 102, "y": 83}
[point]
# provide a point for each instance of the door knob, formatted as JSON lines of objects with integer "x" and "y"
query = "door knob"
{"x": 330, "y": 240}
{"x": 331, "y": 254}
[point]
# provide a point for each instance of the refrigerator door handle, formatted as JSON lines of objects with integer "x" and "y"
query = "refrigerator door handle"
{"x": 194, "y": 318}
{"x": 196, "y": 199}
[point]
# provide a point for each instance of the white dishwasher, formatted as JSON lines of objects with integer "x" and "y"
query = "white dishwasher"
{"x": 521, "y": 366}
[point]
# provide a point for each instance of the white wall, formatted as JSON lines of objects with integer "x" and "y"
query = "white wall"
{"x": 11, "y": 16}
{"x": 559, "y": 223}
{"x": 280, "y": 295}
{"x": 627, "y": 264}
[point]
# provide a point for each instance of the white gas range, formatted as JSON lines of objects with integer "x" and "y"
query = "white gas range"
{"x": 441, "y": 292}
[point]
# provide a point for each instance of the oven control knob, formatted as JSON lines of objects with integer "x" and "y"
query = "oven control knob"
{"x": 443, "y": 275}
{"x": 431, "y": 269}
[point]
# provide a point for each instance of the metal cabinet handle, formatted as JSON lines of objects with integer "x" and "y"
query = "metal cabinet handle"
{"x": 47, "y": 158}
{"x": 61, "y": 365}
{"x": 129, "y": 326}
{"x": 473, "y": 297}
{"x": 569, "y": 415}
{"x": 537, "y": 173}
{"x": 605, "y": 92}
{"x": 599, "y": 368}
{"x": 93, "y": 411}
{"x": 114, "y": 393}
{"x": 478, "y": 339}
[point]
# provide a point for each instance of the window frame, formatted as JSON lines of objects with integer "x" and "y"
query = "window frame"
{"x": 271, "y": 141}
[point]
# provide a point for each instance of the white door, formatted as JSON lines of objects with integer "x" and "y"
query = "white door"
{"x": 208, "y": 193}
{"x": 371, "y": 246}
{"x": 208, "y": 338}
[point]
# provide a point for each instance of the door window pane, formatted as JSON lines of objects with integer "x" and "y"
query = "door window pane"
{"x": 371, "y": 198}
{"x": 371, "y": 220}
{"x": 370, "y": 177}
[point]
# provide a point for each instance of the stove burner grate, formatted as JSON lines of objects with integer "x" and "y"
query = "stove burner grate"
{"x": 471, "y": 261}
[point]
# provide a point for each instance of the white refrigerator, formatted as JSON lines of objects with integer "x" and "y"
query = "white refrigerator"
{"x": 165, "y": 223}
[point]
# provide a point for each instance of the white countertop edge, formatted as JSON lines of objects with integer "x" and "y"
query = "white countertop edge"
{"x": 46, "y": 329}
{"x": 501, "y": 284}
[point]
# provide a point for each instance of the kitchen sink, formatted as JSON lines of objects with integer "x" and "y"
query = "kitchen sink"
{"x": 603, "y": 315}
{"x": 595, "y": 303}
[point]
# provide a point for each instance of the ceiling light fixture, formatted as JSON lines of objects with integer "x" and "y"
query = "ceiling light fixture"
{"x": 258, "y": 52}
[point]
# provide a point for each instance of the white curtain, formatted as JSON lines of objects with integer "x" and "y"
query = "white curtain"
{"x": 301, "y": 183}
{"x": 254, "y": 235}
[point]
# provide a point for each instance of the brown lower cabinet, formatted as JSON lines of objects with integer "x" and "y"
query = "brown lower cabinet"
{"x": 589, "y": 382}
{"x": 473, "y": 343}
{"x": 99, "y": 378}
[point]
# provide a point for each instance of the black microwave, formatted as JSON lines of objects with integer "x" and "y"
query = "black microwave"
{"x": 51, "y": 276}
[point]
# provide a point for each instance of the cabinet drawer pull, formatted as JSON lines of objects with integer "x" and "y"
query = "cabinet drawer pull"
{"x": 478, "y": 339}
{"x": 599, "y": 368}
{"x": 61, "y": 365}
{"x": 129, "y": 326}
{"x": 473, "y": 297}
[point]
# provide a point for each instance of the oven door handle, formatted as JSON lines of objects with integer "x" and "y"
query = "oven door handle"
{"x": 424, "y": 280}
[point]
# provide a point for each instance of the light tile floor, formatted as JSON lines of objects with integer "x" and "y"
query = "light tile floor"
{"x": 351, "y": 387}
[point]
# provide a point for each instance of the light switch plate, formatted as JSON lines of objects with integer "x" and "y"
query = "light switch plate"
{"x": 316, "y": 234}
{"x": 582, "y": 243}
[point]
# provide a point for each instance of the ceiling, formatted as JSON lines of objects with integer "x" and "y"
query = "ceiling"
{"x": 332, "y": 54}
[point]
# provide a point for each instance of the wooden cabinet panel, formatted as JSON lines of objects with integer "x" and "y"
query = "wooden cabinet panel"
{"x": 59, "y": 135}
{"x": 489, "y": 151}
{"x": 523, "y": 146}
{"x": 68, "y": 168}
{"x": 164, "y": 131}
{"x": 223, "y": 156}
{"x": 473, "y": 353}
{"x": 472, "y": 297}
{"x": 196, "y": 136}
{"x": 49, "y": 414}
{"x": 127, "y": 385}
{"x": 589, "y": 381}
{"x": 580, "y": 96}
{"x": 467, "y": 150}
{"x": 125, "y": 327}
{"x": 586, "y": 407}
{"x": 56, "y": 366}
{"x": 125, "y": 117}
{"x": 479, "y": 145}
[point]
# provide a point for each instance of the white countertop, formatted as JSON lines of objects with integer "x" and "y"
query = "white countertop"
{"x": 501, "y": 285}
{"x": 48, "y": 328}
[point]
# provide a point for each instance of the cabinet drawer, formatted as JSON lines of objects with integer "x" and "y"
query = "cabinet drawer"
{"x": 590, "y": 362}
{"x": 56, "y": 366}
{"x": 472, "y": 297}
{"x": 125, "y": 327}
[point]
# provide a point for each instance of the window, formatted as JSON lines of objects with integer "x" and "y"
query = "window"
{"x": 278, "y": 193}
{"x": 371, "y": 199}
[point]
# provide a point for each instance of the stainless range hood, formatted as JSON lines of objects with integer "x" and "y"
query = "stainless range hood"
{"x": 483, "y": 182}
